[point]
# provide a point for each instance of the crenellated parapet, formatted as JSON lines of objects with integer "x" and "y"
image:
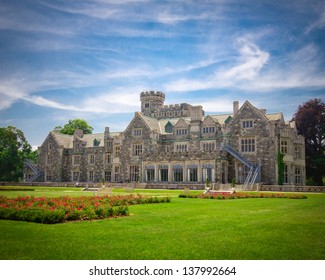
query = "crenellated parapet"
{"x": 152, "y": 105}
{"x": 152, "y": 94}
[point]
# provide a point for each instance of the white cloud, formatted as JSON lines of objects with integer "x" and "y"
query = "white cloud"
{"x": 256, "y": 70}
{"x": 249, "y": 64}
{"x": 119, "y": 100}
{"x": 43, "y": 102}
{"x": 172, "y": 18}
{"x": 251, "y": 61}
{"x": 319, "y": 23}
{"x": 9, "y": 94}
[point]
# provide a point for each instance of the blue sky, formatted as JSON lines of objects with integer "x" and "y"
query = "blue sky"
{"x": 61, "y": 60}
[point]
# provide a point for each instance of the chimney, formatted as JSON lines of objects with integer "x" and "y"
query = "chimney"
{"x": 196, "y": 113}
{"x": 235, "y": 107}
{"x": 79, "y": 133}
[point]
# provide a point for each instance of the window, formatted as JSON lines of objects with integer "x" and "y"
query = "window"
{"x": 208, "y": 174}
{"x": 247, "y": 124}
{"x": 137, "y": 149}
{"x": 164, "y": 175}
{"x": 181, "y": 131}
{"x": 167, "y": 149}
{"x": 117, "y": 173}
{"x": 284, "y": 146}
{"x": 210, "y": 129}
{"x": 248, "y": 145}
{"x": 208, "y": 146}
{"x": 50, "y": 146}
{"x": 297, "y": 152}
{"x": 134, "y": 173}
{"x": 137, "y": 132}
{"x": 66, "y": 160}
{"x": 192, "y": 172}
{"x": 108, "y": 143}
{"x": 49, "y": 160}
{"x": 75, "y": 176}
{"x": 91, "y": 176}
{"x": 178, "y": 174}
{"x": 108, "y": 159}
{"x": 245, "y": 172}
{"x": 96, "y": 143}
{"x": 297, "y": 175}
{"x": 150, "y": 175}
{"x": 169, "y": 127}
{"x": 76, "y": 160}
{"x": 181, "y": 148}
{"x": 146, "y": 105}
{"x": 108, "y": 176}
{"x": 49, "y": 176}
{"x": 92, "y": 159}
{"x": 117, "y": 151}
{"x": 285, "y": 174}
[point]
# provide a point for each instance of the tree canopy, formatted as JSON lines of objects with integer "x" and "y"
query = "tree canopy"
{"x": 14, "y": 148}
{"x": 70, "y": 127}
{"x": 310, "y": 121}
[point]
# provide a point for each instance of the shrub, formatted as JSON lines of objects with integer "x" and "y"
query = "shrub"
{"x": 230, "y": 195}
{"x": 57, "y": 210}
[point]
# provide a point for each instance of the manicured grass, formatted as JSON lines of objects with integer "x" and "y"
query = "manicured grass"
{"x": 182, "y": 229}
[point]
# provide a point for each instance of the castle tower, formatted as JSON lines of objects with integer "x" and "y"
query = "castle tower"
{"x": 151, "y": 102}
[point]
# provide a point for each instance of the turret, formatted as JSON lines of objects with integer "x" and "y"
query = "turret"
{"x": 151, "y": 102}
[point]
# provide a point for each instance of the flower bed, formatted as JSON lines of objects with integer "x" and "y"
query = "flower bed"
{"x": 57, "y": 210}
{"x": 235, "y": 195}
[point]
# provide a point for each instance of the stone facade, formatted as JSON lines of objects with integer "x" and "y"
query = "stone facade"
{"x": 178, "y": 144}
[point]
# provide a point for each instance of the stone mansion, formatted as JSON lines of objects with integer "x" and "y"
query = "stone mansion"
{"x": 177, "y": 144}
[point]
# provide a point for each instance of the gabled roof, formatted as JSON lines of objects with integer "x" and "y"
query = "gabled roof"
{"x": 62, "y": 139}
{"x": 275, "y": 117}
{"x": 221, "y": 119}
{"x": 257, "y": 111}
{"x": 206, "y": 119}
{"x": 66, "y": 140}
{"x": 163, "y": 122}
{"x": 183, "y": 121}
{"x": 90, "y": 138}
{"x": 152, "y": 123}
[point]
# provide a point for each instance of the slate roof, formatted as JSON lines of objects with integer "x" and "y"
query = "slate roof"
{"x": 275, "y": 117}
{"x": 67, "y": 140}
{"x": 63, "y": 139}
{"x": 221, "y": 119}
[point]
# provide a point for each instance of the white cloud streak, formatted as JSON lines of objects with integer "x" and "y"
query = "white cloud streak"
{"x": 256, "y": 70}
{"x": 319, "y": 23}
{"x": 251, "y": 60}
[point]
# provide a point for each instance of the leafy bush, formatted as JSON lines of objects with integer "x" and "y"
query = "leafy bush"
{"x": 57, "y": 210}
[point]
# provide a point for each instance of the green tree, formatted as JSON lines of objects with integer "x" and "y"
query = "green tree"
{"x": 14, "y": 148}
{"x": 72, "y": 125}
{"x": 310, "y": 121}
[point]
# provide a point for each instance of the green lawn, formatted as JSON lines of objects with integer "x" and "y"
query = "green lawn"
{"x": 183, "y": 229}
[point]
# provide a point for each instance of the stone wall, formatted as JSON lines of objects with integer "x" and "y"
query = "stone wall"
{"x": 292, "y": 188}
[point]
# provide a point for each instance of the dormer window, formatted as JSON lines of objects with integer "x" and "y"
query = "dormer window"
{"x": 96, "y": 143}
{"x": 169, "y": 128}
